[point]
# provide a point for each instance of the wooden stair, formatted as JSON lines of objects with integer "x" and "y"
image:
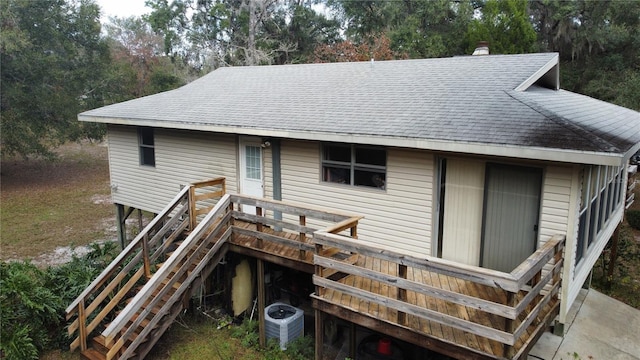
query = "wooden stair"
{"x": 167, "y": 307}
{"x": 98, "y": 349}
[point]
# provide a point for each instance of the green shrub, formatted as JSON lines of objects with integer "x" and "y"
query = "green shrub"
{"x": 247, "y": 333}
{"x": 301, "y": 348}
{"x": 633, "y": 218}
{"x": 33, "y": 301}
{"x": 29, "y": 311}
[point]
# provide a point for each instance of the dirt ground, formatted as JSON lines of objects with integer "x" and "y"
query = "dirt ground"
{"x": 50, "y": 209}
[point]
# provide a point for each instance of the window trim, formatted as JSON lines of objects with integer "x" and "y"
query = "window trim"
{"x": 602, "y": 186}
{"x": 353, "y": 166}
{"x": 143, "y": 132}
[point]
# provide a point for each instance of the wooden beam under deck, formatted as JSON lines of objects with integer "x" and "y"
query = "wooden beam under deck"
{"x": 272, "y": 252}
{"x": 399, "y": 332}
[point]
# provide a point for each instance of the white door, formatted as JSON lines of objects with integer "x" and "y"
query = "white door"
{"x": 251, "y": 181}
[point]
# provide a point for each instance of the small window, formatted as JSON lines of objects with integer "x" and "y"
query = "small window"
{"x": 147, "y": 147}
{"x": 354, "y": 165}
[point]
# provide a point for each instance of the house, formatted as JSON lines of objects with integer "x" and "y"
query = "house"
{"x": 476, "y": 160}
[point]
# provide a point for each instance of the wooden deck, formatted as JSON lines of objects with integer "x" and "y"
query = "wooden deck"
{"x": 245, "y": 241}
{"x": 458, "y": 310}
{"x": 421, "y": 331}
{"x": 462, "y": 311}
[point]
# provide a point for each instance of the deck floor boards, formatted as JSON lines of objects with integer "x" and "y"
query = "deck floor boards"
{"x": 420, "y": 326}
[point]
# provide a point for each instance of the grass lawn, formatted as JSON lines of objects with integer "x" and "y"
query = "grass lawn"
{"x": 193, "y": 339}
{"x": 51, "y": 204}
{"x": 46, "y": 206}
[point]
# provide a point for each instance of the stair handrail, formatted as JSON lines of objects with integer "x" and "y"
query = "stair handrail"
{"x": 111, "y": 332}
{"x": 78, "y": 305}
{"x": 184, "y": 286}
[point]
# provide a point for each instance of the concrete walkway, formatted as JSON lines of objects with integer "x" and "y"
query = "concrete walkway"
{"x": 600, "y": 328}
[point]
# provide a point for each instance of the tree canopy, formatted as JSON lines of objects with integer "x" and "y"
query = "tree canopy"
{"x": 57, "y": 60}
{"x": 52, "y": 58}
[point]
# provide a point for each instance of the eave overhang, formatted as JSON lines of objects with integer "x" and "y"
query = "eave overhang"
{"x": 475, "y": 148}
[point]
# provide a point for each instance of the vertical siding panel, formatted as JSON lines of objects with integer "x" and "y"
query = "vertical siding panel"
{"x": 463, "y": 204}
{"x": 267, "y": 175}
{"x": 399, "y": 217}
{"x": 556, "y": 196}
{"x": 182, "y": 157}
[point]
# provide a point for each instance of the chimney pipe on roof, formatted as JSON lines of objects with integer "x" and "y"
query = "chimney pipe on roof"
{"x": 482, "y": 48}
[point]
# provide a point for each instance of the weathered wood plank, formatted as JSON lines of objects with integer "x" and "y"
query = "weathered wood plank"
{"x": 344, "y": 225}
{"x": 450, "y": 268}
{"x": 209, "y": 195}
{"x": 117, "y": 262}
{"x": 184, "y": 285}
{"x": 369, "y": 321}
{"x": 292, "y": 208}
{"x": 219, "y": 181}
{"x": 442, "y": 318}
{"x": 239, "y": 215}
{"x": 535, "y": 291}
{"x": 438, "y": 292}
{"x": 120, "y": 321}
{"x": 293, "y": 244}
{"x": 534, "y": 263}
{"x": 538, "y": 331}
{"x": 535, "y": 312}
{"x": 452, "y": 309}
{"x": 441, "y": 306}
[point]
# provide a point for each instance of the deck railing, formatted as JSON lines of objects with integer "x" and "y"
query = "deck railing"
{"x": 203, "y": 196}
{"x": 195, "y": 211}
{"x": 331, "y": 237}
{"x": 202, "y": 245}
{"x": 291, "y": 218}
{"x": 529, "y": 288}
{"x": 100, "y": 301}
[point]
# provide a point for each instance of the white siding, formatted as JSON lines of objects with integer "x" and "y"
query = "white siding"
{"x": 182, "y": 157}
{"x": 399, "y": 217}
{"x": 556, "y": 198}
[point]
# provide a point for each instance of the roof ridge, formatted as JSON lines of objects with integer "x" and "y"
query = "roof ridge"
{"x": 596, "y": 140}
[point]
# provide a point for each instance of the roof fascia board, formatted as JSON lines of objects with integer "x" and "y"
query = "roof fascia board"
{"x": 510, "y": 151}
{"x": 631, "y": 152}
{"x": 540, "y": 73}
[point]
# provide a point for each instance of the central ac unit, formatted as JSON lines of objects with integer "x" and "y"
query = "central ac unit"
{"x": 283, "y": 322}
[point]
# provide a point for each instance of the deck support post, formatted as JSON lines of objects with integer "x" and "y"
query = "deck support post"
{"x": 510, "y": 325}
{"x": 231, "y": 219}
{"x": 352, "y": 340}
{"x": 259, "y": 227}
{"x": 319, "y": 328}
{"x": 82, "y": 326}
{"x": 145, "y": 248}
{"x": 121, "y": 217}
{"x": 402, "y": 294}
{"x": 192, "y": 208}
{"x": 261, "y": 298}
{"x": 303, "y": 221}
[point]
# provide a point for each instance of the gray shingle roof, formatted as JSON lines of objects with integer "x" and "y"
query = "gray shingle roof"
{"x": 463, "y": 100}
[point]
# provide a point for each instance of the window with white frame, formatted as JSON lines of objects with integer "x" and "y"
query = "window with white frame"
{"x": 600, "y": 197}
{"x": 146, "y": 145}
{"x": 354, "y": 165}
